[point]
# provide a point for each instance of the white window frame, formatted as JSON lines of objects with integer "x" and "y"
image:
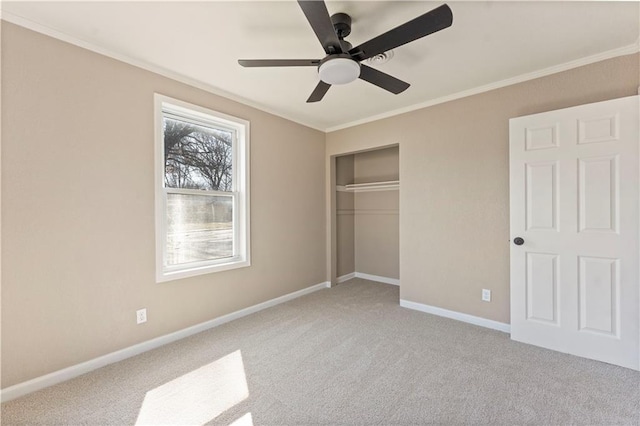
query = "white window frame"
{"x": 240, "y": 189}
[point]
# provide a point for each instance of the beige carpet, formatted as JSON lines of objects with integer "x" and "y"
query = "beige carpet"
{"x": 346, "y": 355}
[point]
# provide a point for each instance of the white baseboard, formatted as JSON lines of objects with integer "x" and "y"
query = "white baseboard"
{"x": 60, "y": 376}
{"x": 482, "y": 322}
{"x": 392, "y": 281}
{"x": 345, "y": 277}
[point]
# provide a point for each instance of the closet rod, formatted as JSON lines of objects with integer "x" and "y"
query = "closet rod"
{"x": 370, "y": 186}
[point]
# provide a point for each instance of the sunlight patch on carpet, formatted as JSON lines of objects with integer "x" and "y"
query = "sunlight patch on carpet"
{"x": 198, "y": 396}
{"x": 246, "y": 420}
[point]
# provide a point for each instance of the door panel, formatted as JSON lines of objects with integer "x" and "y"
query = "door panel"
{"x": 541, "y": 186}
{"x": 574, "y": 197}
{"x": 541, "y": 137}
{"x": 542, "y": 287}
{"x": 598, "y": 194}
{"x": 599, "y": 129}
{"x": 598, "y": 289}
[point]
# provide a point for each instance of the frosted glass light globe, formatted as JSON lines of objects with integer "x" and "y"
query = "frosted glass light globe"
{"x": 339, "y": 71}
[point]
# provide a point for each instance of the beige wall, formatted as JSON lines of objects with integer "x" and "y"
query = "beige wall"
{"x": 377, "y": 165}
{"x": 454, "y": 210}
{"x": 78, "y": 209}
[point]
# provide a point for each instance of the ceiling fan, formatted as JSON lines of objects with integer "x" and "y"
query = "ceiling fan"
{"x": 343, "y": 61}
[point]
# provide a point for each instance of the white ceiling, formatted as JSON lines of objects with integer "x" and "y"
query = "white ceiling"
{"x": 201, "y": 42}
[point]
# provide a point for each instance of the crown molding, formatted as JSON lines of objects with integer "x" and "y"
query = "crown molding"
{"x": 621, "y": 51}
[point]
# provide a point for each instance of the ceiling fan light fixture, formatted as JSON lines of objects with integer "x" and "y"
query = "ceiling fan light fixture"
{"x": 339, "y": 71}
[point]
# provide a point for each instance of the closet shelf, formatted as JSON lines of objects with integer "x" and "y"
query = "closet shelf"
{"x": 370, "y": 186}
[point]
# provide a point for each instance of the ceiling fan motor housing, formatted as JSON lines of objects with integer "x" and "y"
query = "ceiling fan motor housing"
{"x": 342, "y": 24}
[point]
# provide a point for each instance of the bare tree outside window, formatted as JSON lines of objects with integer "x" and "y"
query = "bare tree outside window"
{"x": 197, "y": 157}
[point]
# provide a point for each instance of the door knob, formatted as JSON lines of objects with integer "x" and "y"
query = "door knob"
{"x": 518, "y": 241}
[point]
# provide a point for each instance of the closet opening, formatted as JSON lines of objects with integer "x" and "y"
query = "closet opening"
{"x": 367, "y": 206}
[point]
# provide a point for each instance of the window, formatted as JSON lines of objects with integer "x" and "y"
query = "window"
{"x": 202, "y": 190}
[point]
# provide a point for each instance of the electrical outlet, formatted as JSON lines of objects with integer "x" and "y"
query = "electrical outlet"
{"x": 486, "y": 295}
{"x": 141, "y": 315}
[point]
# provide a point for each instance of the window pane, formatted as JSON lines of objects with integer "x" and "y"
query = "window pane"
{"x": 197, "y": 157}
{"x": 199, "y": 228}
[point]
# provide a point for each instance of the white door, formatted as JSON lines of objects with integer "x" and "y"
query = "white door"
{"x": 574, "y": 204}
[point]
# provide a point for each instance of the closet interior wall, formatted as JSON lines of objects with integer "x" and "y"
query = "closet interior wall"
{"x": 368, "y": 220}
{"x": 345, "y": 217}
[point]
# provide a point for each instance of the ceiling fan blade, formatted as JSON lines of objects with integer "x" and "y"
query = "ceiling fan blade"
{"x": 435, "y": 20}
{"x": 279, "y": 62}
{"x": 382, "y": 80}
{"x": 319, "y": 92}
{"x": 318, "y": 16}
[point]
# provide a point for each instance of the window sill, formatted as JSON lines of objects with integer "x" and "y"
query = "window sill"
{"x": 164, "y": 276}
